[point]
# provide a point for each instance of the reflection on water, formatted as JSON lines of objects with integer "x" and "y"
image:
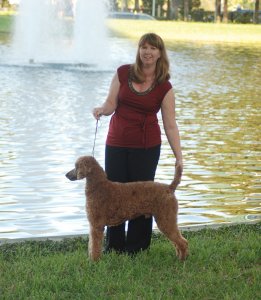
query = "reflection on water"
{"x": 46, "y": 123}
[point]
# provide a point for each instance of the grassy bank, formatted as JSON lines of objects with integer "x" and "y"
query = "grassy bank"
{"x": 172, "y": 32}
{"x": 223, "y": 264}
{"x": 6, "y": 22}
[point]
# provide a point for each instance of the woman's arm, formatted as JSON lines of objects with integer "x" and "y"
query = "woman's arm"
{"x": 171, "y": 128}
{"x": 111, "y": 102}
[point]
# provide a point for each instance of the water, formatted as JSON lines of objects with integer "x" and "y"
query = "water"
{"x": 46, "y": 123}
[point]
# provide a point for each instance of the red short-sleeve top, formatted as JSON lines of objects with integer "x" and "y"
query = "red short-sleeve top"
{"x": 134, "y": 123}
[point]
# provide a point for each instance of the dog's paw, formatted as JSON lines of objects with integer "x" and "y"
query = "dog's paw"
{"x": 182, "y": 250}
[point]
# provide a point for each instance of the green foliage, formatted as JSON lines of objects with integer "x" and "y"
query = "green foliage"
{"x": 193, "y": 6}
{"x": 246, "y": 4}
{"x": 4, "y": 3}
{"x": 147, "y": 5}
{"x": 113, "y": 5}
{"x": 223, "y": 264}
{"x": 243, "y": 17}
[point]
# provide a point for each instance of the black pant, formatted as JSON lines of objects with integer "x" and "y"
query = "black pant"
{"x": 128, "y": 165}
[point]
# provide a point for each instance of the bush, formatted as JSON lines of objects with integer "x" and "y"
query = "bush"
{"x": 200, "y": 15}
{"x": 243, "y": 16}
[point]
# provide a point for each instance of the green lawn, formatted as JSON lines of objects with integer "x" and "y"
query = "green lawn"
{"x": 172, "y": 32}
{"x": 223, "y": 264}
{"x": 6, "y": 23}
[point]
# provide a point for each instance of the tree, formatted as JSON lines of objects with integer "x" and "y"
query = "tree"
{"x": 218, "y": 11}
{"x": 173, "y": 9}
{"x": 186, "y": 10}
{"x": 137, "y": 5}
{"x": 113, "y": 5}
{"x": 225, "y": 12}
{"x": 256, "y": 13}
{"x": 4, "y": 3}
{"x": 124, "y": 5}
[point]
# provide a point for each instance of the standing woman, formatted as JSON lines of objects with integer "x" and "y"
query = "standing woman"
{"x": 137, "y": 92}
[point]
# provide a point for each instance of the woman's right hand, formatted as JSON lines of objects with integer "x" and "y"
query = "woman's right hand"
{"x": 109, "y": 106}
{"x": 97, "y": 112}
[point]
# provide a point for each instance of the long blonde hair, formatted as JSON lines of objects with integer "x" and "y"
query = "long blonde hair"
{"x": 162, "y": 66}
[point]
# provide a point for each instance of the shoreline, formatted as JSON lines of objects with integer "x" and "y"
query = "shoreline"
{"x": 59, "y": 238}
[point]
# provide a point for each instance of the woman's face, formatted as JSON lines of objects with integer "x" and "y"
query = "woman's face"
{"x": 149, "y": 54}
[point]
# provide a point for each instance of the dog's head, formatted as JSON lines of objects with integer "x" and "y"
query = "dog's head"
{"x": 83, "y": 167}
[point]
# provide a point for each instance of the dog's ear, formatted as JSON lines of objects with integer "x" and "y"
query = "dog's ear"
{"x": 80, "y": 175}
{"x": 88, "y": 165}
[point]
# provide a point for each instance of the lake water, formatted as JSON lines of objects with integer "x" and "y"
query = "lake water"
{"x": 46, "y": 123}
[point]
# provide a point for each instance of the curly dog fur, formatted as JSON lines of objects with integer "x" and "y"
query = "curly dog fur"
{"x": 111, "y": 203}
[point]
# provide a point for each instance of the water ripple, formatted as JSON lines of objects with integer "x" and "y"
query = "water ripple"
{"x": 46, "y": 123}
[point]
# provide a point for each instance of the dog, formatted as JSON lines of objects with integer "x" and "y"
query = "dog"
{"x": 111, "y": 203}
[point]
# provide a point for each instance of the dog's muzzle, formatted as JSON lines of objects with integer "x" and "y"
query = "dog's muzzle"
{"x": 72, "y": 175}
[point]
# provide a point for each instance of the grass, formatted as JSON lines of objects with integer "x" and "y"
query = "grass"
{"x": 195, "y": 32}
{"x": 172, "y": 32}
{"x": 223, "y": 264}
{"x": 6, "y": 22}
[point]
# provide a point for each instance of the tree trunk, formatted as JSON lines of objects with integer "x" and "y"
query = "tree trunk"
{"x": 256, "y": 13}
{"x": 168, "y": 10}
{"x": 173, "y": 9}
{"x": 225, "y": 14}
{"x": 218, "y": 11}
{"x": 124, "y": 5}
{"x": 186, "y": 10}
{"x": 137, "y": 5}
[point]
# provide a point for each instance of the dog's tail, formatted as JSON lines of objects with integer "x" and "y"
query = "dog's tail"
{"x": 174, "y": 184}
{"x": 176, "y": 180}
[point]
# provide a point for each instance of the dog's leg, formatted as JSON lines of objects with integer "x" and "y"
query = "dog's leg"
{"x": 170, "y": 229}
{"x": 180, "y": 243}
{"x": 95, "y": 243}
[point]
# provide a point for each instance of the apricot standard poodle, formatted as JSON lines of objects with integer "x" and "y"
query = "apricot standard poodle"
{"x": 111, "y": 203}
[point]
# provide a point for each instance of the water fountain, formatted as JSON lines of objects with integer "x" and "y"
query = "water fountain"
{"x": 60, "y": 32}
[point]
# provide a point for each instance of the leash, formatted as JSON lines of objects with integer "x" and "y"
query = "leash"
{"x": 96, "y": 129}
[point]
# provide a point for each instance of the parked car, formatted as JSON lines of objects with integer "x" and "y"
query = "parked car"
{"x": 129, "y": 15}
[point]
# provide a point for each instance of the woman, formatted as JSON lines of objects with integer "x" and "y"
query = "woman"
{"x": 136, "y": 94}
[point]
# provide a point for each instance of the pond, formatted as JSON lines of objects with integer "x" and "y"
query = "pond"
{"x": 46, "y": 123}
